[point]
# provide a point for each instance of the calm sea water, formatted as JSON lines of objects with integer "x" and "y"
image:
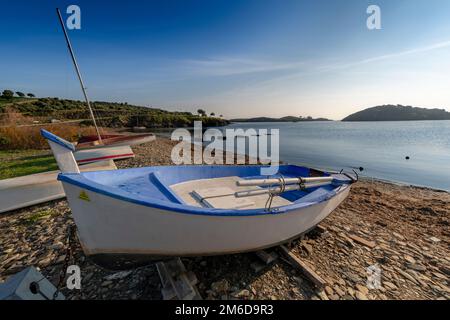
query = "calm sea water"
{"x": 379, "y": 147}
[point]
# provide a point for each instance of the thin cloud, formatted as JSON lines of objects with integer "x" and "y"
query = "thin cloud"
{"x": 265, "y": 84}
{"x": 277, "y": 85}
{"x": 432, "y": 47}
{"x": 235, "y": 66}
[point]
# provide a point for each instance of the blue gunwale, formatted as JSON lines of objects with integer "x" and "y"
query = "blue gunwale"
{"x": 81, "y": 181}
{"x": 54, "y": 138}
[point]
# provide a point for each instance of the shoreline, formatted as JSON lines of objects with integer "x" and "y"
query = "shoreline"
{"x": 362, "y": 176}
{"x": 14, "y": 155}
{"x": 408, "y": 225}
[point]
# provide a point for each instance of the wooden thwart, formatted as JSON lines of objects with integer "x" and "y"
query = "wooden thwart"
{"x": 177, "y": 282}
{"x": 304, "y": 268}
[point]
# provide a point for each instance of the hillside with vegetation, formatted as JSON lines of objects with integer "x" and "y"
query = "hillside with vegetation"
{"x": 23, "y": 115}
{"x": 398, "y": 113}
{"x": 109, "y": 114}
{"x": 283, "y": 119}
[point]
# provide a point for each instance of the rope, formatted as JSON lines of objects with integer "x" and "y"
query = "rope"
{"x": 273, "y": 193}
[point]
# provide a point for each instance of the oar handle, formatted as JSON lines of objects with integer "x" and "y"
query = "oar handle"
{"x": 286, "y": 181}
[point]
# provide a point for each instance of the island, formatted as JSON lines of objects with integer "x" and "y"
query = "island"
{"x": 283, "y": 119}
{"x": 398, "y": 113}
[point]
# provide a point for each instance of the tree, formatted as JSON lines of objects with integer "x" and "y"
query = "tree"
{"x": 221, "y": 115}
{"x": 20, "y": 94}
{"x": 31, "y": 95}
{"x": 201, "y": 112}
{"x": 7, "y": 94}
{"x": 213, "y": 114}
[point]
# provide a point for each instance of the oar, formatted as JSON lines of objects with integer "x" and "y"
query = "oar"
{"x": 286, "y": 181}
{"x": 293, "y": 187}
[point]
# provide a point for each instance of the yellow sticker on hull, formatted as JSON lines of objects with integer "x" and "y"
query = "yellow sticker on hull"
{"x": 83, "y": 196}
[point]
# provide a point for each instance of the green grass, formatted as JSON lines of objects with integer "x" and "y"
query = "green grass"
{"x": 36, "y": 217}
{"x": 21, "y": 163}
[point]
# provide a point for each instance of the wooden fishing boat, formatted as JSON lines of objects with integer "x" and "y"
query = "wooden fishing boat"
{"x": 21, "y": 192}
{"x": 115, "y": 140}
{"x": 131, "y": 215}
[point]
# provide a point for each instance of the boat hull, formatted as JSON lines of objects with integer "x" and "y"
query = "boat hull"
{"x": 115, "y": 141}
{"x": 116, "y": 232}
{"x": 22, "y": 192}
{"x": 84, "y": 156}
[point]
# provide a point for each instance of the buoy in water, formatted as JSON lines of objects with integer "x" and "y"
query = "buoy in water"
{"x": 407, "y": 158}
{"x": 361, "y": 169}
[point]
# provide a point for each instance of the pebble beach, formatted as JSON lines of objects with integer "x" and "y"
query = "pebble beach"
{"x": 403, "y": 230}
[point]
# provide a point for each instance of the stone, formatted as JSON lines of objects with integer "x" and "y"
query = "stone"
{"x": 339, "y": 291}
{"x": 221, "y": 286}
{"x": 329, "y": 290}
{"x": 439, "y": 275}
{"x": 445, "y": 270}
{"x": 434, "y": 239}
{"x": 353, "y": 277}
{"x": 257, "y": 266}
{"x": 367, "y": 243}
{"x": 360, "y": 296}
{"x": 322, "y": 295}
{"x": 362, "y": 289}
{"x": 57, "y": 246}
{"x": 106, "y": 283}
{"x": 351, "y": 292}
{"x": 60, "y": 259}
{"x": 241, "y": 294}
{"x": 308, "y": 248}
{"x": 390, "y": 285}
{"x": 416, "y": 267}
{"x": 398, "y": 236}
{"x": 410, "y": 259}
{"x": 407, "y": 276}
{"x": 118, "y": 275}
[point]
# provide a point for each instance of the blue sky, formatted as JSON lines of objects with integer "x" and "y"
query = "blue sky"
{"x": 236, "y": 58}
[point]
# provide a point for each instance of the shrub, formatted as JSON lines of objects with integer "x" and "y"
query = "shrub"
{"x": 15, "y": 138}
{"x": 7, "y": 94}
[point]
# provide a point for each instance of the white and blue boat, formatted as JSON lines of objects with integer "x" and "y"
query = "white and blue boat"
{"x": 130, "y": 215}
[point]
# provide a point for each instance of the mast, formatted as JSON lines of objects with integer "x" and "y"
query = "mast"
{"x": 69, "y": 45}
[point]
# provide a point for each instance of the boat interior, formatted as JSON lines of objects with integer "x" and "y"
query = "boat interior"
{"x": 210, "y": 187}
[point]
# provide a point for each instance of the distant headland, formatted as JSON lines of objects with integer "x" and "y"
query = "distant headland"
{"x": 283, "y": 119}
{"x": 398, "y": 113}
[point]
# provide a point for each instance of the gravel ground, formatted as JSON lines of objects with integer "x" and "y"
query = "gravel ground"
{"x": 409, "y": 228}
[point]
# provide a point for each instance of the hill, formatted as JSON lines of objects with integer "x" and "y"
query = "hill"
{"x": 398, "y": 113}
{"x": 108, "y": 114}
{"x": 283, "y": 119}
